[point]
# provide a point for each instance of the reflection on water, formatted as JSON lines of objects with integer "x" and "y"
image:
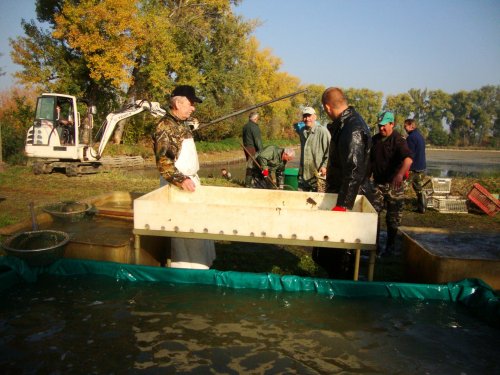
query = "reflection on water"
{"x": 473, "y": 167}
{"x": 98, "y": 325}
{"x": 437, "y": 169}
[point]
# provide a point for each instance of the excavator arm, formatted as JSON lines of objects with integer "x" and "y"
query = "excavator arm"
{"x": 131, "y": 110}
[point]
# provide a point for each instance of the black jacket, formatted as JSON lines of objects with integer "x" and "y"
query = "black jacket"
{"x": 349, "y": 160}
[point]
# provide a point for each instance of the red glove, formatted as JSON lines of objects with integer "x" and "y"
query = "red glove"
{"x": 339, "y": 208}
{"x": 407, "y": 175}
{"x": 265, "y": 172}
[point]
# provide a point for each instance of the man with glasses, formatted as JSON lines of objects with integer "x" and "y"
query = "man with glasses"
{"x": 315, "y": 143}
{"x": 390, "y": 160}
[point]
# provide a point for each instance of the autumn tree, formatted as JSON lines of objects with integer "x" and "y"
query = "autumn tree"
{"x": 16, "y": 114}
{"x": 368, "y": 103}
{"x": 403, "y": 107}
{"x": 461, "y": 127}
{"x": 438, "y": 113}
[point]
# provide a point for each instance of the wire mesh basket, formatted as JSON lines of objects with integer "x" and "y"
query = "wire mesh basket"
{"x": 441, "y": 186}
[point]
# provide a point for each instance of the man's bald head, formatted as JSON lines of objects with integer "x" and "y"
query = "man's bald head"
{"x": 335, "y": 97}
{"x": 334, "y": 102}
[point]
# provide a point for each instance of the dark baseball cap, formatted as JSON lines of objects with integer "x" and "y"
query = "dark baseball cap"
{"x": 188, "y": 92}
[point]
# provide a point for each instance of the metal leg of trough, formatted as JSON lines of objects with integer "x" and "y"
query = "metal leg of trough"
{"x": 137, "y": 248}
{"x": 371, "y": 264}
{"x": 356, "y": 264}
{"x": 169, "y": 252}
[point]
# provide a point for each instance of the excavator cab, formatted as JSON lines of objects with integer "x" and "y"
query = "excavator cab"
{"x": 54, "y": 123}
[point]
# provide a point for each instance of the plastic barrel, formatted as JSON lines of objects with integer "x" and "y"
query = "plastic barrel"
{"x": 291, "y": 179}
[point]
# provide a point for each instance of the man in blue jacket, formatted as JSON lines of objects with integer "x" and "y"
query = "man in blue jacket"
{"x": 416, "y": 143}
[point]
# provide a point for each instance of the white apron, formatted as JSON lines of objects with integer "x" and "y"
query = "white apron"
{"x": 187, "y": 252}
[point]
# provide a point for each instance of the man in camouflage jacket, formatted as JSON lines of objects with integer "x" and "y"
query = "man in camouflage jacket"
{"x": 177, "y": 161}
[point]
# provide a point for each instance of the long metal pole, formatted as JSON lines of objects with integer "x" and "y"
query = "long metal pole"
{"x": 225, "y": 117}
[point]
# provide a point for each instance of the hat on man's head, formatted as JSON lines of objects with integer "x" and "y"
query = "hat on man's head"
{"x": 187, "y": 91}
{"x": 308, "y": 111}
{"x": 385, "y": 117}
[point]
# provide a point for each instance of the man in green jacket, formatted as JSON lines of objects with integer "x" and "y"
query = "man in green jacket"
{"x": 315, "y": 143}
{"x": 271, "y": 160}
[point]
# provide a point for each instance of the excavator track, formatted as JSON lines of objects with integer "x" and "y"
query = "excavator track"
{"x": 76, "y": 168}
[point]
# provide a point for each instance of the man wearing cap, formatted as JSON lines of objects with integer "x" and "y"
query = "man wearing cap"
{"x": 390, "y": 160}
{"x": 314, "y": 144}
{"x": 177, "y": 161}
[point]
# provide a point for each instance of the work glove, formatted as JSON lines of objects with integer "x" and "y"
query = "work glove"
{"x": 339, "y": 209}
{"x": 265, "y": 172}
{"x": 193, "y": 123}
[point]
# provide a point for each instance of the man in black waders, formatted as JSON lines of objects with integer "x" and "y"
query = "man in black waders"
{"x": 390, "y": 160}
{"x": 347, "y": 173}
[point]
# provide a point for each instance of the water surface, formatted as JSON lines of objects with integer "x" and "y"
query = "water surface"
{"x": 92, "y": 324}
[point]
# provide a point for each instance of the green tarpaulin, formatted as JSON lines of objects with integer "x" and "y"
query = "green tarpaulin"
{"x": 472, "y": 293}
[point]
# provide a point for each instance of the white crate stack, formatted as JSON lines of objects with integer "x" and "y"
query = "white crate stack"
{"x": 438, "y": 197}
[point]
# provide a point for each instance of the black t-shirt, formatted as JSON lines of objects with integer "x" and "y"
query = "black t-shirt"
{"x": 387, "y": 155}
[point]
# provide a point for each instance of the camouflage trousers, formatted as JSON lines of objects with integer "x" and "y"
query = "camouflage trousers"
{"x": 416, "y": 179}
{"x": 392, "y": 201}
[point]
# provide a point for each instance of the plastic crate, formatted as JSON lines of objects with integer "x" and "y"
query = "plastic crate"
{"x": 428, "y": 195}
{"x": 484, "y": 200}
{"x": 441, "y": 186}
{"x": 449, "y": 205}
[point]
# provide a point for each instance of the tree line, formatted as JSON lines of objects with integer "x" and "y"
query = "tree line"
{"x": 112, "y": 52}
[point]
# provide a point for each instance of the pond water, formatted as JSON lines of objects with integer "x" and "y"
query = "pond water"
{"x": 95, "y": 324}
{"x": 440, "y": 163}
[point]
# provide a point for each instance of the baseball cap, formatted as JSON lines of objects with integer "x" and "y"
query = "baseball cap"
{"x": 385, "y": 117}
{"x": 308, "y": 111}
{"x": 187, "y": 91}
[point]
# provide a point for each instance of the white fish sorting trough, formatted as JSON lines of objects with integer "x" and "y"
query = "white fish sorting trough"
{"x": 256, "y": 215}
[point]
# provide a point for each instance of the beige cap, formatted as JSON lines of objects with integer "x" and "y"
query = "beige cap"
{"x": 308, "y": 111}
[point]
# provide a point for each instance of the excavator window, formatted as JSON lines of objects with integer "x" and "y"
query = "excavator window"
{"x": 45, "y": 109}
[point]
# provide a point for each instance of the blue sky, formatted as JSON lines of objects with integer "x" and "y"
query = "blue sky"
{"x": 384, "y": 45}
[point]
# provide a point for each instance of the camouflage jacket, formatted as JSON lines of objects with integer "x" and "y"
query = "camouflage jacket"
{"x": 167, "y": 142}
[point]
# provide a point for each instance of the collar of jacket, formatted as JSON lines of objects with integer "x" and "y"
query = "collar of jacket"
{"x": 176, "y": 119}
{"x": 341, "y": 119}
